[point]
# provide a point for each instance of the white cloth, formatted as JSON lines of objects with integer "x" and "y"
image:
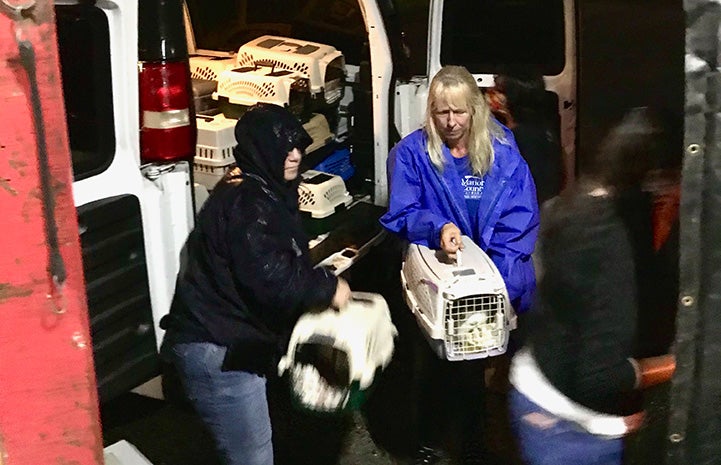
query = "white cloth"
{"x": 527, "y": 378}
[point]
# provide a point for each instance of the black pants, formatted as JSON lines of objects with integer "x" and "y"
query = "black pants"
{"x": 451, "y": 399}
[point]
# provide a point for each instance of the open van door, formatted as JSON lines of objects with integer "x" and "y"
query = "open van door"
{"x": 486, "y": 37}
{"x": 134, "y": 215}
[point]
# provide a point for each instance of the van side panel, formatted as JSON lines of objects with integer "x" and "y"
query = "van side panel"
{"x": 135, "y": 218}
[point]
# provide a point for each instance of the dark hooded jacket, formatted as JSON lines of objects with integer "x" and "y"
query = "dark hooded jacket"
{"x": 248, "y": 277}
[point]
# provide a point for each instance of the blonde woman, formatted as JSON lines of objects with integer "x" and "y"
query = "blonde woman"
{"x": 462, "y": 174}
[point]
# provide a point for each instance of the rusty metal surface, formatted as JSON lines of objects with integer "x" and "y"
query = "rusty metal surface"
{"x": 48, "y": 400}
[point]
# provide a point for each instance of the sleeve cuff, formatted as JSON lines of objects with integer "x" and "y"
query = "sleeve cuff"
{"x": 637, "y": 371}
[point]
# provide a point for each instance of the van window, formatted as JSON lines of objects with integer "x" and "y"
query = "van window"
{"x": 413, "y": 19}
{"x": 225, "y": 25}
{"x": 488, "y": 36}
{"x": 84, "y": 46}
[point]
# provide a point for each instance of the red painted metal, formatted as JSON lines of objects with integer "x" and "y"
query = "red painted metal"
{"x": 48, "y": 398}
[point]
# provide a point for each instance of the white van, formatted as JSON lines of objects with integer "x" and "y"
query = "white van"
{"x": 133, "y": 157}
{"x": 393, "y": 48}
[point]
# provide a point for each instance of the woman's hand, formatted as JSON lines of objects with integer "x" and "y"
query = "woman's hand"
{"x": 342, "y": 294}
{"x": 655, "y": 370}
{"x": 634, "y": 422}
{"x": 451, "y": 239}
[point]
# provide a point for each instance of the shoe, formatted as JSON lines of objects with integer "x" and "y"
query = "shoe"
{"x": 426, "y": 456}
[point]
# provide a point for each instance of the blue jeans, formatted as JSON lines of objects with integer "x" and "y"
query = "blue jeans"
{"x": 232, "y": 404}
{"x": 546, "y": 439}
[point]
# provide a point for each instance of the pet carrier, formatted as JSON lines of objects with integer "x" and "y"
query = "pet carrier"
{"x": 462, "y": 308}
{"x": 321, "y": 193}
{"x": 214, "y": 149}
{"x": 203, "y": 96}
{"x": 322, "y": 65}
{"x": 334, "y": 356}
{"x": 209, "y": 68}
{"x": 306, "y": 77}
{"x": 214, "y": 157}
{"x": 242, "y": 87}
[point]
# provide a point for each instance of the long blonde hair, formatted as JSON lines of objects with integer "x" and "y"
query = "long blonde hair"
{"x": 455, "y": 86}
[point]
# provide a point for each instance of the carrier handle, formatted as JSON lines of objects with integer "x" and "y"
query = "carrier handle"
{"x": 459, "y": 259}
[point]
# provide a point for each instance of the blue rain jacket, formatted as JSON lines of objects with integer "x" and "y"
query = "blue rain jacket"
{"x": 422, "y": 200}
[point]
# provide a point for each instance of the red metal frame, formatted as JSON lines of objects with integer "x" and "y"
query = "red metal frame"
{"x": 48, "y": 397}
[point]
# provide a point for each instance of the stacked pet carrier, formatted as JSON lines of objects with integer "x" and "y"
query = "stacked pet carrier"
{"x": 306, "y": 77}
{"x": 214, "y": 149}
{"x": 334, "y": 356}
{"x": 461, "y": 307}
{"x": 204, "y": 71}
{"x": 320, "y": 193}
{"x": 209, "y": 68}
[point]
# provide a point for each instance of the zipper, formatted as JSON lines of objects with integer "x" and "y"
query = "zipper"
{"x": 492, "y": 207}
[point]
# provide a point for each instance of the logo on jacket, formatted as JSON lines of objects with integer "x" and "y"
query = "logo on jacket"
{"x": 472, "y": 187}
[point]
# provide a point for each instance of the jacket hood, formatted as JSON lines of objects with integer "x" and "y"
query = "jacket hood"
{"x": 265, "y": 134}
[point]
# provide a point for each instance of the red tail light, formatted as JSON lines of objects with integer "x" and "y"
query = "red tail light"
{"x": 167, "y": 122}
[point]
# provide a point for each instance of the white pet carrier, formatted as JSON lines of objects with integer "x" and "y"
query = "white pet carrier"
{"x": 209, "y": 68}
{"x": 249, "y": 85}
{"x": 306, "y": 77}
{"x": 334, "y": 356}
{"x": 322, "y": 65}
{"x": 214, "y": 149}
{"x": 462, "y": 307}
{"x": 321, "y": 193}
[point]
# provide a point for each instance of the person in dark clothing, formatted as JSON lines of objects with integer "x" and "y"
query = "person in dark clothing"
{"x": 527, "y": 110}
{"x": 247, "y": 280}
{"x": 569, "y": 399}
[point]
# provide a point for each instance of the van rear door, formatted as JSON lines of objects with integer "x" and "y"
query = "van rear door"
{"x": 133, "y": 219}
